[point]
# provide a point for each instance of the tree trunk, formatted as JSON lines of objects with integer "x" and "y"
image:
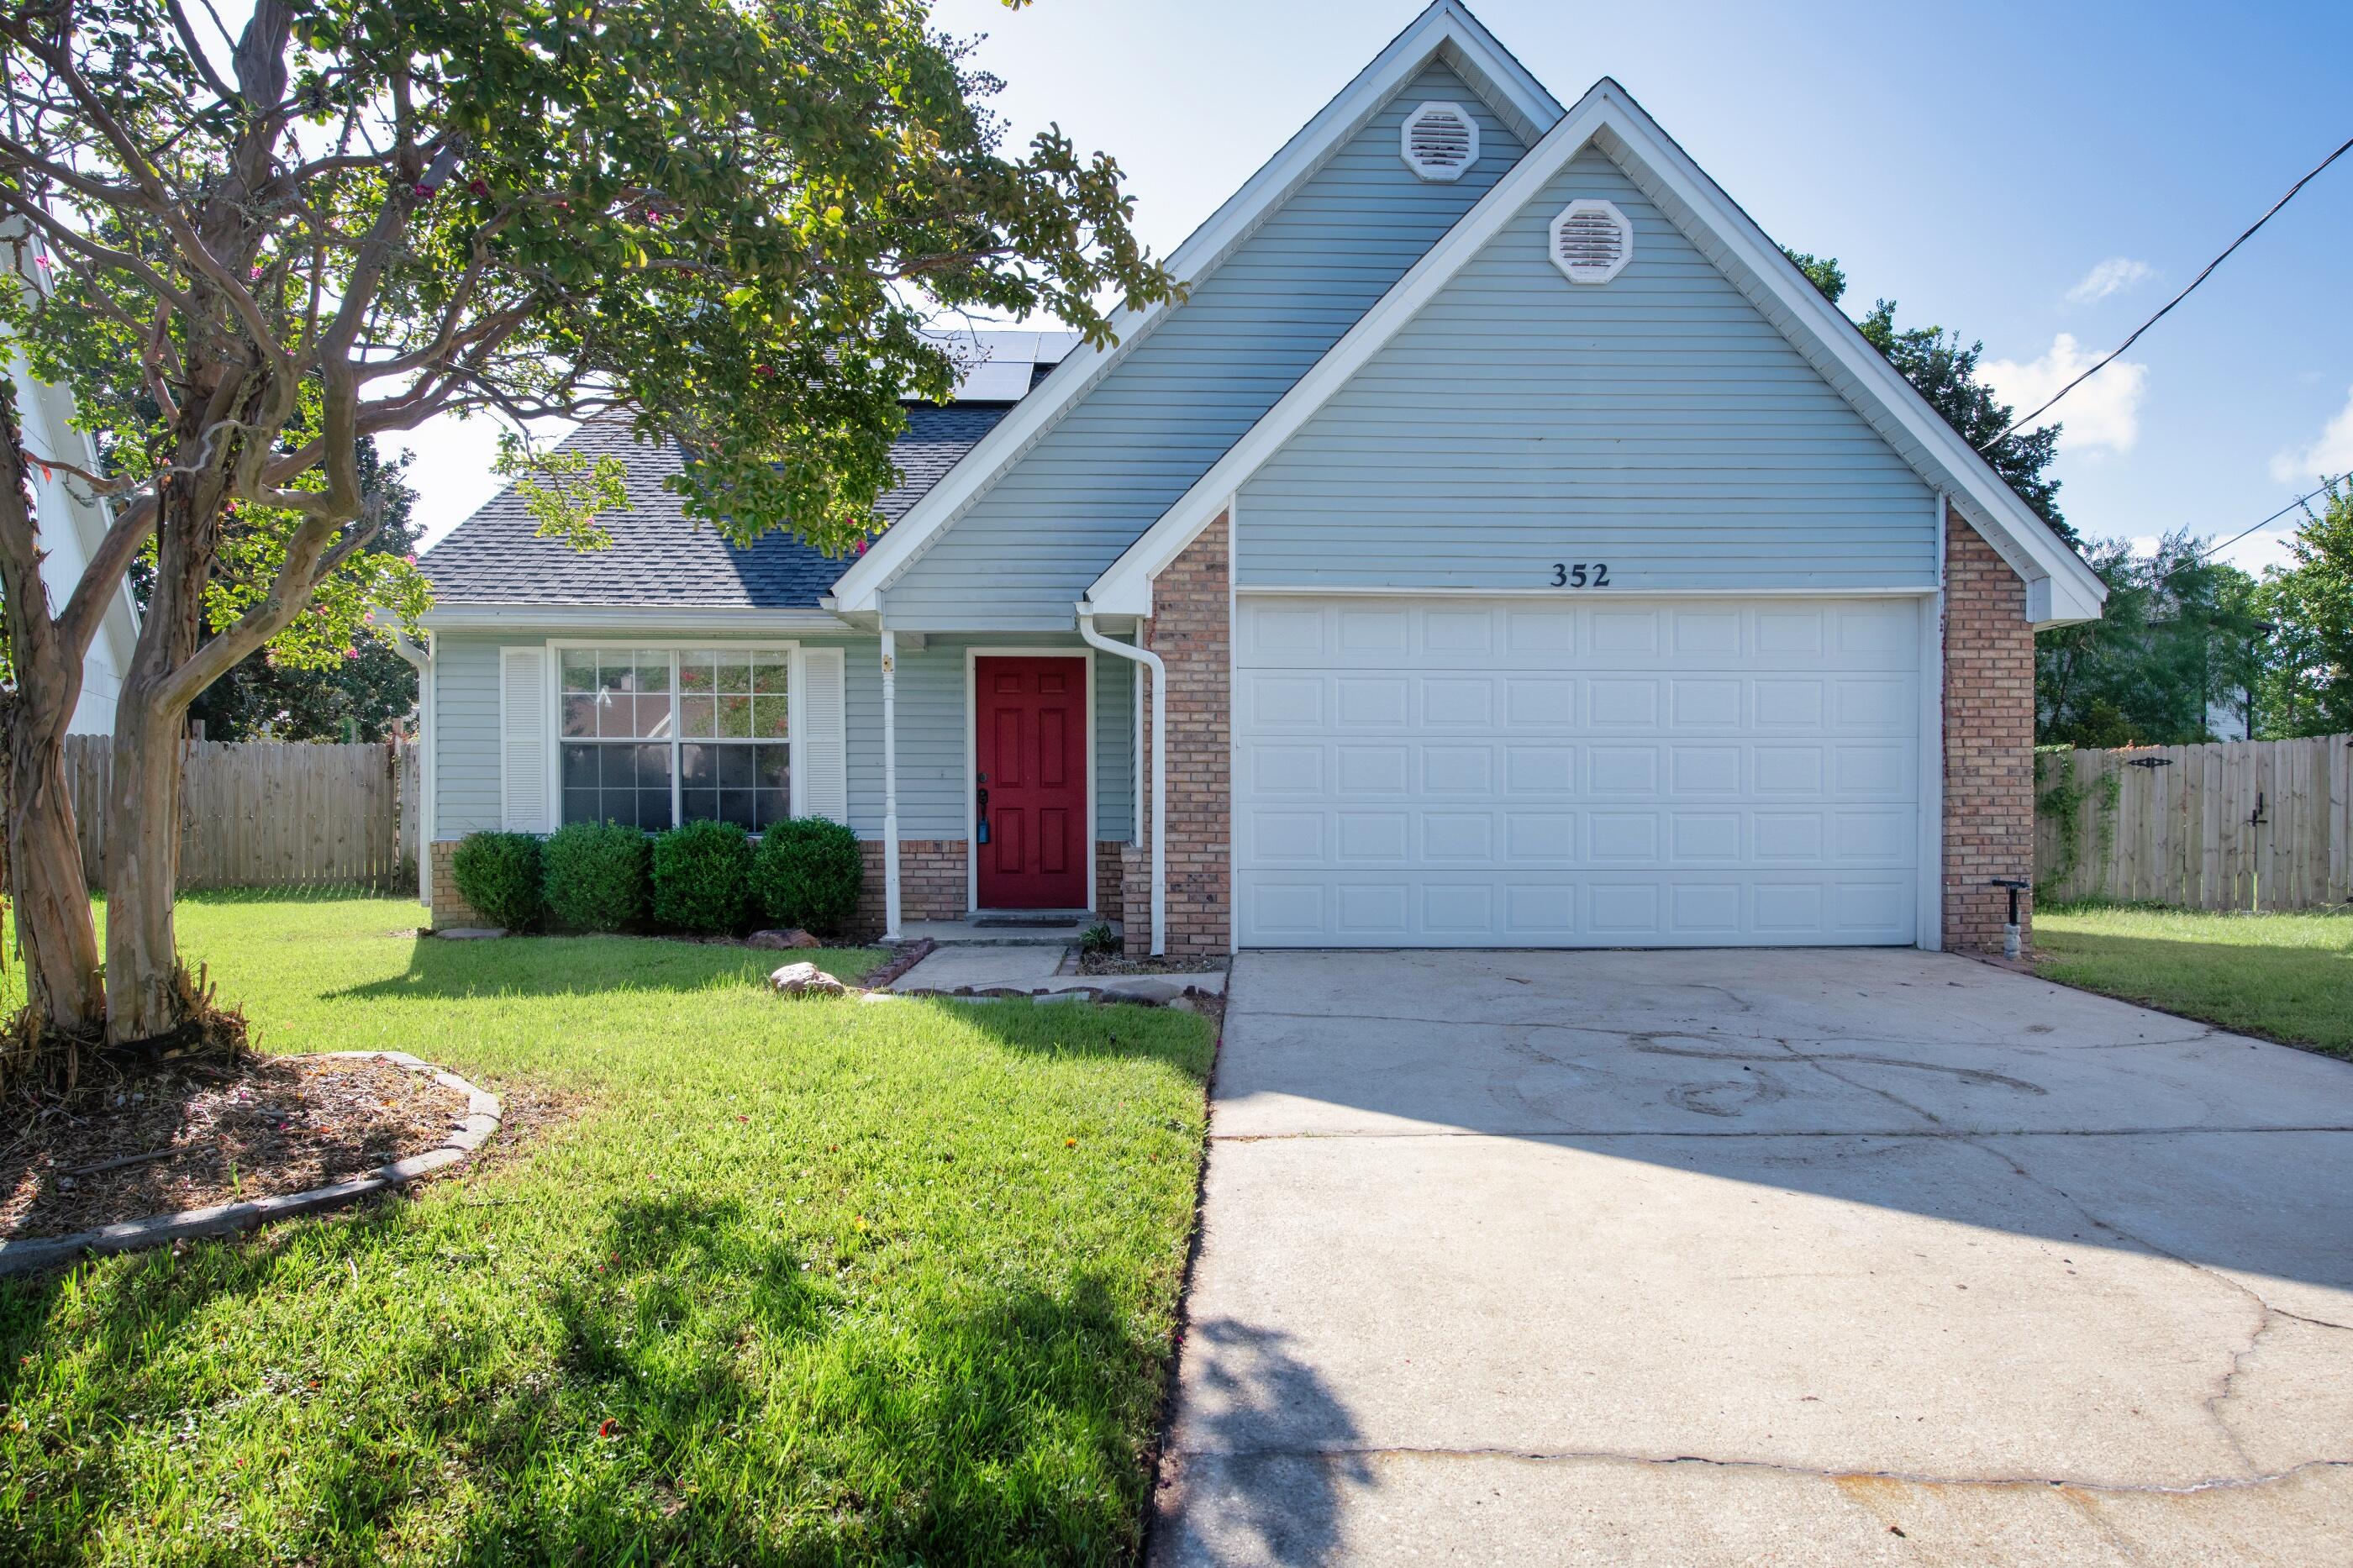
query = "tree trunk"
{"x": 55, "y": 932}
{"x": 143, "y": 998}
{"x": 45, "y": 878}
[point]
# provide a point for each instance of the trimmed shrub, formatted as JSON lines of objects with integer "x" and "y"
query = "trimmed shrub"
{"x": 808, "y": 873}
{"x": 598, "y": 874}
{"x": 703, "y": 877}
{"x": 498, "y": 874}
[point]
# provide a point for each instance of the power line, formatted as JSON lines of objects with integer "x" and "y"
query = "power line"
{"x": 2017, "y": 425}
{"x": 2275, "y": 517}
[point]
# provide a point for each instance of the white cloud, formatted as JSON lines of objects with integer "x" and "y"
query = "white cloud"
{"x": 2102, "y": 415}
{"x": 2113, "y": 276}
{"x": 2331, "y": 455}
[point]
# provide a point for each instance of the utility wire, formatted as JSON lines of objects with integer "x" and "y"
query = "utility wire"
{"x": 2275, "y": 517}
{"x": 2017, "y": 425}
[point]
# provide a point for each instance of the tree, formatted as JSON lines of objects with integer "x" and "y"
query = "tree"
{"x": 362, "y": 691}
{"x": 1944, "y": 371}
{"x": 2306, "y": 687}
{"x": 734, "y": 217}
{"x": 2174, "y": 641}
{"x": 56, "y": 937}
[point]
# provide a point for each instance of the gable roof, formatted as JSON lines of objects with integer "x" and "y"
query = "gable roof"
{"x": 2060, "y": 586}
{"x": 1446, "y": 31}
{"x": 662, "y": 558}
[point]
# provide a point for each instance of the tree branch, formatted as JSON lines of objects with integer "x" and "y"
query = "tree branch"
{"x": 125, "y": 536}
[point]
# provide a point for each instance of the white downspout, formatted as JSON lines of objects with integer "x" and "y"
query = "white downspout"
{"x": 890, "y": 785}
{"x": 422, "y": 658}
{"x": 1150, "y": 661}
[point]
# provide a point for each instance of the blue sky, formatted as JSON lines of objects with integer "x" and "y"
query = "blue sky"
{"x": 2039, "y": 176}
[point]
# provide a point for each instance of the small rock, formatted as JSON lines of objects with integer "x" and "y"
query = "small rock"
{"x": 805, "y": 980}
{"x": 780, "y": 941}
{"x": 473, "y": 933}
{"x": 1086, "y": 994}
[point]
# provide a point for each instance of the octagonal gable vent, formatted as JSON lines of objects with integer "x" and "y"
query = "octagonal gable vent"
{"x": 1441, "y": 140}
{"x": 1592, "y": 241}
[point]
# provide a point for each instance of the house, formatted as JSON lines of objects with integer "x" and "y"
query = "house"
{"x": 72, "y": 520}
{"x": 1501, "y": 545}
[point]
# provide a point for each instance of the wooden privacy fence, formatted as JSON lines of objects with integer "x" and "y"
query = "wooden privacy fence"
{"x": 2239, "y": 825}
{"x": 273, "y": 814}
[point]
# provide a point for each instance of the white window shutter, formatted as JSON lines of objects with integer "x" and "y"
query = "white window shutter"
{"x": 526, "y": 727}
{"x": 821, "y": 750}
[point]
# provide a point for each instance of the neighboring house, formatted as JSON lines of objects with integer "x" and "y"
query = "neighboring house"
{"x": 72, "y": 523}
{"x": 1534, "y": 556}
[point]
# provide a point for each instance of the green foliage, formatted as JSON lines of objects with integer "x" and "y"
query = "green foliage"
{"x": 2177, "y": 639}
{"x": 2060, "y": 798}
{"x": 597, "y": 876}
{"x": 702, "y": 878}
{"x": 1099, "y": 940}
{"x": 276, "y": 694}
{"x": 565, "y": 492}
{"x": 808, "y": 873}
{"x": 2304, "y": 686}
{"x": 1943, "y": 369}
{"x": 498, "y": 875}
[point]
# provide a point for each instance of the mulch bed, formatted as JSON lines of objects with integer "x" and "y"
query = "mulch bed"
{"x": 194, "y": 1131}
{"x": 1119, "y": 964}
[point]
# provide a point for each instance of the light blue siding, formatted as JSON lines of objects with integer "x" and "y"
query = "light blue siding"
{"x": 1029, "y": 548}
{"x": 466, "y": 795}
{"x": 1657, "y": 423}
{"x": 934, "y": 776}
{"x": 933, "y": 773}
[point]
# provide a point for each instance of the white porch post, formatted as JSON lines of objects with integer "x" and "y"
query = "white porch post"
{"x": 890, "y": 785}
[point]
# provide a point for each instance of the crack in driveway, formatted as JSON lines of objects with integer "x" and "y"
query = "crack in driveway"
{"x": 1356, "y": 1453}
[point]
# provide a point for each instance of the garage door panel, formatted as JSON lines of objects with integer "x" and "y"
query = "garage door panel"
{"x": 1466, "y": 774}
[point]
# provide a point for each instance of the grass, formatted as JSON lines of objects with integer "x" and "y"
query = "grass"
{"x": 2282, "y": 976}
{"x": 803, "y": 1282}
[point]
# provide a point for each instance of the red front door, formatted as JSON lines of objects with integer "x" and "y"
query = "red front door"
{"x": 1030, "y": 786}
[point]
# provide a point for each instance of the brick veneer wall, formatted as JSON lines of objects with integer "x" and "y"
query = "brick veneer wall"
{"x": 1110, "y": 889}
{"x": 1988, "y": 740}
{"x": 931, "y": 882}
{"x": 451, "y": 911}
{"x": 1192, "y": 631}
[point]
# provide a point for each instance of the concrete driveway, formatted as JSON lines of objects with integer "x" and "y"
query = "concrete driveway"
{"x": 1748, "y": 1258}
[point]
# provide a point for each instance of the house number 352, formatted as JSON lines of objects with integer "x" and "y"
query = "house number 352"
{"x": 1579, "y": 575}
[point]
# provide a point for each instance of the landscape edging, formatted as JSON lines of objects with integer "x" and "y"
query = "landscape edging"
{"x": 483, "y": 1113}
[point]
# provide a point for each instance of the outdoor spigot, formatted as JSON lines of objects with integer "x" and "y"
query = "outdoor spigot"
{"x": 2017, "y": 885}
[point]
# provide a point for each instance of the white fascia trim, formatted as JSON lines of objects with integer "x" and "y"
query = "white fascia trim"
{"x": 1944, "y": 459}
{"x": 1444, "y": 29}
{"x": 593, "y": 619}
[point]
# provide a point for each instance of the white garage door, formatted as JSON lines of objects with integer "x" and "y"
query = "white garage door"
{"x": 1650, "y": 773}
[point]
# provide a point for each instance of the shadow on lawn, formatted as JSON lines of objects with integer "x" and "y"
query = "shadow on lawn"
{"x": 757, "y": 1411}
{"x": 582, "y": 965}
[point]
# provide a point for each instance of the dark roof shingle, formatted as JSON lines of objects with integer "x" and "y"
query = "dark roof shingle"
{"x": 660, "y": 557}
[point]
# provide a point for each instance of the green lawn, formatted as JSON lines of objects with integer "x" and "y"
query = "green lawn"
{"x": 810, "y": 1281}
{"x": 2283, "y": 976}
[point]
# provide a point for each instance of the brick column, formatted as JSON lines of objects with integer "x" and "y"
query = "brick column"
{"x": 932, "y": 882}
{"x": 1988, "y": 740}
{"x": 1191, "y": 630}
{"x": 451, "y": 911}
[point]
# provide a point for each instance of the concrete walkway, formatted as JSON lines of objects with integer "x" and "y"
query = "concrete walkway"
{"x": 1758, "y": 1258}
